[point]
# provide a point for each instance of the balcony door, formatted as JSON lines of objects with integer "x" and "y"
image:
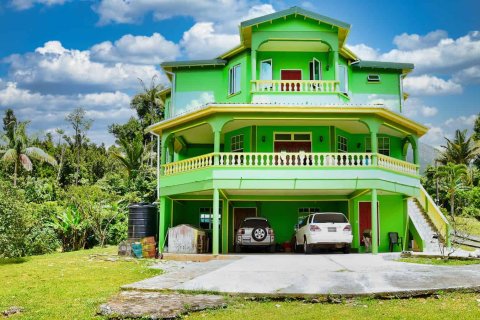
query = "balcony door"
{"x": 291, "y": 75}
{"x": 292, "y": 142}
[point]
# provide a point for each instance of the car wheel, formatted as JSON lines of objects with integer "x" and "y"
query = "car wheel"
{"x": 259, "y": 234}
{"x": 297, "y": 247}
{"x": 346, "y": 249}
{"x": 307, "y": 248}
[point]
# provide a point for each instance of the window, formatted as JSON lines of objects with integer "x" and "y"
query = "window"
{"x": 330, "y": 218}
{"x": 234, "y": 78}
{"x": 373, "y": 78}
{"x": 237, "y": 143}
{"x": 383, "y": 145}
{"x": 292, "y": 136}
{"x": 206, "y": 218}
{"x": 342, "y": 145}
{"x": 343, "y": 78}
{"x": 315, "y": 70}
{"x": 266, "y": 70}
{"x": 303, "y": 213}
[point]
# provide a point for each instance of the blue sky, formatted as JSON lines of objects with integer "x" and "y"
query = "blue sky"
{"x": 56, "y": 55}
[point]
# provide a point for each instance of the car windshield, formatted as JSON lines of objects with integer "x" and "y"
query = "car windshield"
{"x": 255, "y": 223}
{"x": 329, "y": 218}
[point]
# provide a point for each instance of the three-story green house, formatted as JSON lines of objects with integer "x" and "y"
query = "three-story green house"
{"x": 288, "y": 123}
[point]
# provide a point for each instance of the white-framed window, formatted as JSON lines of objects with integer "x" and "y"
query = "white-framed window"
{"x": 266, "y": 70}
{"x": 237, "y": 143}
{"x": 288, "y": 136}
{"x": 234, "y": 79}
{"x": 206, "y": 218}
{"x": 343, "y": 78}
{"x": 342, "y": 144}
{"x": 373, "y": 78}
{"x": 315, "y": 70}
{"x": 383, "y": 144}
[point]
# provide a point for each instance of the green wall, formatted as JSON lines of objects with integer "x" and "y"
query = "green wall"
{"x": 391, "y": 219}
{"x": 247, "y": 139}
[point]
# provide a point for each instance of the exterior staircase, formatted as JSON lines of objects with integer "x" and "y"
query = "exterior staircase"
{"x": 425, "y": 229}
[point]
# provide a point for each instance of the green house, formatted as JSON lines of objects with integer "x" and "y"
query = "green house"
{"x": 288, "y": 123}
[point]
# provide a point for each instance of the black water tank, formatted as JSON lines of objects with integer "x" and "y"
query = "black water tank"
{"x": 142, "y": 221}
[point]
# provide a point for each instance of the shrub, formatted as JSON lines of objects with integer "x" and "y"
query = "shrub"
{"x": 13, "y": 222}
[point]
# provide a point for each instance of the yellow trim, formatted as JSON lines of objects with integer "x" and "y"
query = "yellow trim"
{"x": 416, "y": 127}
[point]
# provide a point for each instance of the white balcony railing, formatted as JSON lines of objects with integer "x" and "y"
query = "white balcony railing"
{"x": 285, "y": 159}
{"x": 313, "y": 86}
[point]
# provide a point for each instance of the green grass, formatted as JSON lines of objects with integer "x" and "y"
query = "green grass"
{"x": 469, "y": 225}
{"x": 440, "y": 262}
{"x": 65, "y": 285}
{"x": 447, "y": 306}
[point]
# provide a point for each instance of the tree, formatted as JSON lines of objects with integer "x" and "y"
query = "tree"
{"x": 460, "y": 150}
{"x": 131, "y": 156}
{"x": 476, "y": 128}
{"x": 80, "y": 126}
{"x": 452, "y": 177}
{"x": 9, "y": 123}
{"x": 19, "y": 153}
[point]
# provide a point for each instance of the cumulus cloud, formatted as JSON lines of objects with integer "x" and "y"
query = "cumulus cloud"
{"x": 201, "y": 41}
{"x": 415, "y": 107}
{"x": 437, "y": 133}
{"x": 136, "y": 50}
{"x": 47, "y": 111}
{"x": 27, "y": 4}
{"x": 55, "y": 69}
{"x": 468, "y": 75}
{"x": 430, "y": 85}
{"x": 226, "y": 12}
{"x": 432, "y": 52}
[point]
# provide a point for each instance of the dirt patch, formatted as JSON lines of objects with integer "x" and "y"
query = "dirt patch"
{"x": 11, "y": 311}
{"x": 158, "y": 305}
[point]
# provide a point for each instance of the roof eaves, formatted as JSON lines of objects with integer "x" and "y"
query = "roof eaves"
{"x": 193, "y": 63}
{"x": 294, "y": 10}
{"x": 382, "y": 65}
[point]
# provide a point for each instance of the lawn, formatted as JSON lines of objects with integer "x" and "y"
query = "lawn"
{"x": 469, "y": 225}
{"x": 439, "y": 262}
{"x": 65, "y": 285}
{"x": 445, "y": 306}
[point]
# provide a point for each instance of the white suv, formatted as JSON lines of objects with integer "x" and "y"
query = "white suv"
{"x": 325, "y": 229}
{"x": 255, "y": 233}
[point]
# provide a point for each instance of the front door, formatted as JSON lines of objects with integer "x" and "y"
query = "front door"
{"x": 291, "y": 75}
{"x": 365, "y": 218}
{"x": 293, "y": 146}
{"x": 239, "y": 214}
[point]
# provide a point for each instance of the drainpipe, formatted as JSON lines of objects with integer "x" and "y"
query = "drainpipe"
{"x": 172, "y": 99}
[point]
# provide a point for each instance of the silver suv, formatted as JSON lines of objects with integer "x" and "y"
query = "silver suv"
{"x": 255, "y": 233}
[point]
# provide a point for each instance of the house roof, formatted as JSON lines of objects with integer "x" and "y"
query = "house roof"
{"x": 294, "y": 10}
{"x": 193, "y": 63}
{"x": 365, "y": 64}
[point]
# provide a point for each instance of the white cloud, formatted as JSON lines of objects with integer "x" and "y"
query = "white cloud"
{"x": 201, "y": 41}
{"x": 427, "y": 111}
{"x": 415, "y": 107}
{"x": 430, "y": 85}
{"x": 54, "y": 69}
{"x": 461, "y": 122}
{"x": 27, "y": 4}
{"x": 468, "y": 75}
{"x": 435, "y": 136}
{"x": 443, "y": 54}
{"x": 47, "y": 111}
{"x": 136, "y": 50}
{"x": 414, "y": 41}
{"x": 228, "y": 13}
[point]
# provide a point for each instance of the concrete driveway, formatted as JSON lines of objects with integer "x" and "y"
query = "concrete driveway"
{"x": 296, "y": 274}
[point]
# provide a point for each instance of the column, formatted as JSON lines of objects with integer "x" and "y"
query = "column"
{"x": 216, "y": 146}
{"x": 216, "y": 220}
{"x": 407, "y": 222}
{"x": 162, "y": 223}
{"x": 225, "y": 237}
{"x": 374, "y": 222}
{"x": 374, "y": 144}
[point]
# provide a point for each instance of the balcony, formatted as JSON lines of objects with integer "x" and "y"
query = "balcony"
{"x": 285, "y": 86}
{"x": 290, "y": 160}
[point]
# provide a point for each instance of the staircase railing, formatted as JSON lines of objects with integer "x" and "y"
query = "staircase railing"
{"x": 435, "y": 215}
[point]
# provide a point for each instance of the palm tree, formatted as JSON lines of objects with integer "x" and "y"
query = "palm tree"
{"x": 19, "y": 153}
{"x": 131, "y": 156}
{"x": 452, "y": 177}
{"x": 460, "y": 150}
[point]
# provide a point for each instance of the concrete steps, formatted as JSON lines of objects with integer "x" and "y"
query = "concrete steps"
{"x": 424, "y": 228}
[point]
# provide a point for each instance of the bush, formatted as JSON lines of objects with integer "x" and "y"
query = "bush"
{"x": 13, "y": 222}
{"x": 42, "y": 237}
{"x": 39, "y": 190}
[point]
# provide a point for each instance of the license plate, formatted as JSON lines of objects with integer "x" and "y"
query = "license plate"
{"x": 247, "y": 238}
{"x": 332, "y": 229}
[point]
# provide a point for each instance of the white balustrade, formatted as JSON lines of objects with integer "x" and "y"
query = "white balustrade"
{"x": 313, "y": 86}
{"x": 290, "y": 159}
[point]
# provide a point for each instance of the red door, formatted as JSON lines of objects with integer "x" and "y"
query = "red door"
{"x": 365, "y": 218}
{"x": 293, "y": 146}
{"x": 291, "y": 75}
